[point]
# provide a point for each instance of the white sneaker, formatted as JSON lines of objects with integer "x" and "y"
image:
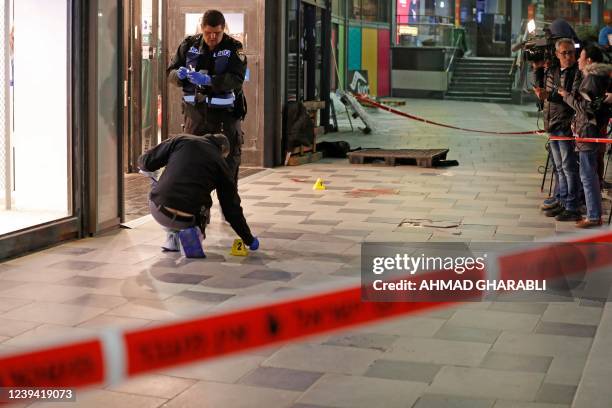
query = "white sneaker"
{"x": 172, "y": 242}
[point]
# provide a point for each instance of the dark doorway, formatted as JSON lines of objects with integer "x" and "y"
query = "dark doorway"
{"x": 144, "y": 80}
{"x": 308, "y": 55}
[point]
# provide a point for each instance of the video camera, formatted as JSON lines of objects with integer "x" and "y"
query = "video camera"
{"x": 540, "y": 44}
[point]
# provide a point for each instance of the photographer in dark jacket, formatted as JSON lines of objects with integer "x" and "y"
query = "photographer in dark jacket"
{"x": 210, "y": 68}
{"x": 195, "y": 166}
{"x": 557, "y": 122}
{"x": 592, "y": 115}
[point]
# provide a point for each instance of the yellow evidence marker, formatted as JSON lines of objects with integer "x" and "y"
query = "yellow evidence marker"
{"x": 239, "y": 249}
{"x": 319, "y": 184}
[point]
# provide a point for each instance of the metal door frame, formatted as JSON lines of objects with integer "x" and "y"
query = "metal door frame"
{"x": 78, "y": 115}
{"x": 325, "y": 83}
{"x": 133, "y": 101}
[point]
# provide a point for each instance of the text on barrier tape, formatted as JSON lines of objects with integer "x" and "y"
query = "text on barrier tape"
{"x": 82, "y": 363}
{"x": 172, "y": 344}
{"x": 555, "y": 261}
{"x": 73, "y": 364}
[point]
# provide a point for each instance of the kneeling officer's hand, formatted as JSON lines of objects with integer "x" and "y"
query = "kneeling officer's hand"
{"x": 199, "y": 78}
{"x": 254, "y": 245}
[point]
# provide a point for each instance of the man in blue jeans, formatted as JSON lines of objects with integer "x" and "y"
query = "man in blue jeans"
{"x": 557, "y": 122}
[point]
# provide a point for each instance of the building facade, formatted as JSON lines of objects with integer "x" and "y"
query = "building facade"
{"x": 361, "y": 37}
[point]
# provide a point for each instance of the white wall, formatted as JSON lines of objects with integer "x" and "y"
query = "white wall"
{"x": 41, "y": 105}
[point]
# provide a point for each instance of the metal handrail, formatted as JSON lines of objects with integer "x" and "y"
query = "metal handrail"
{"x": 450, "y": 63}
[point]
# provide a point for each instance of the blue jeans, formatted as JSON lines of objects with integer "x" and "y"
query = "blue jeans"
{"x": 566, "y": 169}
{"x": 590, "y": 182}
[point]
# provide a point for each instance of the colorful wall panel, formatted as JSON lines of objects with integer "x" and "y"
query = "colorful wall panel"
{"x": 369, "y": 57}
{"x": 341, "y": 55}
{"x": 354, "y": 48}
{"x": 384, "y": 59}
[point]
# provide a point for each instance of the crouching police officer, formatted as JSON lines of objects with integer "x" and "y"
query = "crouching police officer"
{"x": 210, "y": 68}
{"x": 195, "y": 166}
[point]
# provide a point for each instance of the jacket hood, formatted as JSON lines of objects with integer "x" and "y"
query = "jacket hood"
{"x": 598, "y": 69}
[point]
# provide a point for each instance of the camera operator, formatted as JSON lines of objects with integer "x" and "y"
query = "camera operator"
{"x": 557, "y": 122}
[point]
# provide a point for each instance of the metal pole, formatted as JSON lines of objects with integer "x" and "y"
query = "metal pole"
{"x": 545, "y": 171}
{"x": 7, "y": 106}
{"x": 552, "y": 178}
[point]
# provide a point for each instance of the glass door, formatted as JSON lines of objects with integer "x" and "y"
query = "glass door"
{"x": 243, "y": 22}
{"x": 143, "y": 85}
{"x": 151, "y": 65}
{"x": 143, "y": 79}
{"x": 35, "y": 129}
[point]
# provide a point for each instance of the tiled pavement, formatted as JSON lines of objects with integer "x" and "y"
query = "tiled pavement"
{"x": 488, "y": 354}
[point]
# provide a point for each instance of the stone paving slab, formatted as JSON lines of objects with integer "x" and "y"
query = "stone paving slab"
{"x": 485, "y": 383}
{"x": 336, "y": 390}
{"x": 594, "y": 390}
{"x": 211, "y": 394}
{"x": 436, "y": 351}
{"x": 324, "y": 358}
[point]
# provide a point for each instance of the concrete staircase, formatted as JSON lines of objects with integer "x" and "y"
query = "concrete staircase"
{"x": 482, "y": 80}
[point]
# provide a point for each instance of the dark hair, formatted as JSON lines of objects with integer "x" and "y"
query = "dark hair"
{"x": 221, "y": 141}
{"x": 594, "y": 53}
{"x": 213, "y": 18}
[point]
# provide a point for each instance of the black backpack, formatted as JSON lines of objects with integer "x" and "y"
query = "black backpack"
{"x": 334, "y": 149}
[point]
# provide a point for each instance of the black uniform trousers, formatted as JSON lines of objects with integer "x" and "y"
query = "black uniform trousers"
{"x": 201, "y": 120}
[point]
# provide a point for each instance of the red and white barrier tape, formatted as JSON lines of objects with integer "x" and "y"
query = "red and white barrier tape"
{"x": 376, "y": 104}
{"x": 115, "y": 355}
{"x": 583, "y": 139}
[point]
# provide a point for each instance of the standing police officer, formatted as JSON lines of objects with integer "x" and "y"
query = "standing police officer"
{"x": 210, "y": 68}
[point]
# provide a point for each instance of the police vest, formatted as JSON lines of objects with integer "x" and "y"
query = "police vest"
{"x": 193, "y": 60}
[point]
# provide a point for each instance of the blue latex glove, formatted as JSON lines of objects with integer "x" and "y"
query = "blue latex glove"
{"x": 254, "y": 245}
{"x": 199, "y": 78}
{"x": 182, "y": 72}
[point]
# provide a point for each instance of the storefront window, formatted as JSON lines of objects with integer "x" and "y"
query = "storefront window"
{"x": 354, "y": 9}
{"x": 293, "y": 50}
{"x": 34, "y": 138}
{"x": 423, "y": 23}
{"x": 339, "y": 8}
{"x": 108, "y": 112}
{"x": 370, "y": 10}
{"x": 573, "y": 11}
{"x": 375, "y": 10}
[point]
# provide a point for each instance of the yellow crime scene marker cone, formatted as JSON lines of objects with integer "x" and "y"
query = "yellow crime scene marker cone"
{"x": 319, "y": 184}
{"x": 239, "y": 249}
